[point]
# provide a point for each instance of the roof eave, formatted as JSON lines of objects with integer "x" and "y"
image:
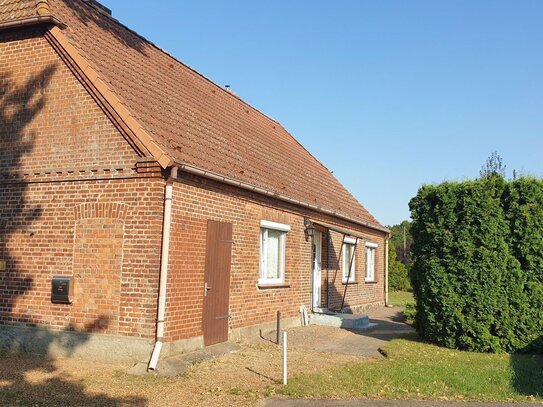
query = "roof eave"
{"x": 31, "y": 21}
{"x": 246, "y": 186}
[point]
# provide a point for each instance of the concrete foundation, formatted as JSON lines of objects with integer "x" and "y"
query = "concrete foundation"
{"x": 257, "y": 330}
{"x": 67, "y": 344}
{"x": 108, "y": 348}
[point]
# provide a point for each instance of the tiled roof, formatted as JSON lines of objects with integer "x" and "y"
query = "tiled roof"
{"x": 195, "y": 121}
{"x": 17, "y": 9}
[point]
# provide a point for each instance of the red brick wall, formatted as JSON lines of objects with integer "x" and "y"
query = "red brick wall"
{"x": 360, "y": 292}
{"x": 71, "y": 202}
{"x": 196, "y": 201}
{"x": 249, "y": 305}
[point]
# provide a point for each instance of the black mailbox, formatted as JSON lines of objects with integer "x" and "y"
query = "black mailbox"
{"x": 61, "y": 290}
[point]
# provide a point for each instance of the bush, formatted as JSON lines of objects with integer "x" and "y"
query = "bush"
{"x": 477, "y": 263}
{"x": 523, "y": 207}
{"x": 410, "y": 312}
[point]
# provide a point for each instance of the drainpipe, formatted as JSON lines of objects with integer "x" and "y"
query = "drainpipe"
{"x": 386, "y": 271}
{"x": 168, "y": 198}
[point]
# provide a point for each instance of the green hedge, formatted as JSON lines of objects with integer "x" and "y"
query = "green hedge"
{"x": 477, "y": 270}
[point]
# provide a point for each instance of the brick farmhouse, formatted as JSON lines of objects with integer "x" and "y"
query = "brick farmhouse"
{"x": 178, "y": 215}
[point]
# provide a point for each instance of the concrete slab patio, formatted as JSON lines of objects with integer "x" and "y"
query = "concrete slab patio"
{"x": 388, "y": 324}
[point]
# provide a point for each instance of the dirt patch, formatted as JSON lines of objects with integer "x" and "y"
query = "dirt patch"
{"x": 240, "y": 379}
{"x": 237, "y": 379}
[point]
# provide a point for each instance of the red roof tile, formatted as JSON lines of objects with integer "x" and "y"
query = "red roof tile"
{"x": 194, "y": 120}
{"x": 11, "y": 10}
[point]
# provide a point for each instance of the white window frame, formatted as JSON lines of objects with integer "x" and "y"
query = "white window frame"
{"x": 265, "y": 226}
{"x": 348, "y": 241}
{"x": 370, "y": 261}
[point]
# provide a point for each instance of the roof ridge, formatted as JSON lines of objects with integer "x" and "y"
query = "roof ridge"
{"x": 114, "y": 20}
{"x": 325, "y": 168}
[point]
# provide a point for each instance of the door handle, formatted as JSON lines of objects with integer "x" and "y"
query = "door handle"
{"x": 206, "y": 289}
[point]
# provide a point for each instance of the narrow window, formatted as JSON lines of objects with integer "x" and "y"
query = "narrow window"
{"x": 349, "y": 260}
{"x": 370, "y": 261}
{"x": 273, "y": 238}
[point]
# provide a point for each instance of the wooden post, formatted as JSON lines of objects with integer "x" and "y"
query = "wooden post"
{"x": 278, "y": 339}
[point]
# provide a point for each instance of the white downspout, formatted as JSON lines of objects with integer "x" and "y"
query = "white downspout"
{"x": 386, "y": 272}
{"x": 168, "y": 198}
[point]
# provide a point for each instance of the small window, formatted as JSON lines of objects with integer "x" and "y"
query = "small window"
{"x": 273, "y": 238}
{"x": 349, "y": 260}
{"x": 370, "y": 261}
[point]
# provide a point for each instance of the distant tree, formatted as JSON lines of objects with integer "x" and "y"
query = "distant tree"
{"x": 398, "y": 279}
{"x": 400, "y": 256}
{"x": 493, "y": 166}
{"x": 401, "y": 241}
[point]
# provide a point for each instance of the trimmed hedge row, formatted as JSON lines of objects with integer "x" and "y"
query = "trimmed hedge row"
{"x": 477, "y": 270}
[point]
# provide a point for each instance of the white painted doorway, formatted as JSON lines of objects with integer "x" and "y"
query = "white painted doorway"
{"x": 317, "y": 274}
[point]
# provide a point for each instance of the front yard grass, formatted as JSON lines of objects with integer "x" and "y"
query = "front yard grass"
{"x": 400, "y": 298}
{"x": 415, "y": 370}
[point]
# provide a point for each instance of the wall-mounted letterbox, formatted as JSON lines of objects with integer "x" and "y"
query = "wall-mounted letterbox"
{"x": 62, "y": 290}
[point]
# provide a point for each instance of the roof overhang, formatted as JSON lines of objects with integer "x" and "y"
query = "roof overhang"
{"x": 347, "y": 232}
{"x": 30, "y": 21}
{"x": 244, "y": 185}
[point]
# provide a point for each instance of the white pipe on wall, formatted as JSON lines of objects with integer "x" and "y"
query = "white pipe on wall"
{"x": 386, "y": 271}
{"x": 165, "y": 255}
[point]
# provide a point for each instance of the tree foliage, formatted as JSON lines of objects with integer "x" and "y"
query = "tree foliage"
{"x": 398, "y": 279}
{"x": 399, "y": 232}
{"x": 493, "y": 166}
{"x": 477, "y": 269}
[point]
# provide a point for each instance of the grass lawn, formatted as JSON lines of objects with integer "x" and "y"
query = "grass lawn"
{"x": 414, "y": 370}
{"x": 400, "y": 298}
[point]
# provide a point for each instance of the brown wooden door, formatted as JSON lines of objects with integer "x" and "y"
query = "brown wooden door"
{"x": 217, "y": 282}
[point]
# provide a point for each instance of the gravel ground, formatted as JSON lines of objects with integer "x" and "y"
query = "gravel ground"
{"x": 241, "y": 379}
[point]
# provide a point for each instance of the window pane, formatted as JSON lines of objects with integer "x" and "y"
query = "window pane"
{"x": 370, "y": 263}
{"x": 273, "y": 259}
{"x": 347, "y": 257}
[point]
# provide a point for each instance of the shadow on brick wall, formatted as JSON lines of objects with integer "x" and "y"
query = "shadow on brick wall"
{"x": 333, "y": 296}
{"x": 19, "y": 106}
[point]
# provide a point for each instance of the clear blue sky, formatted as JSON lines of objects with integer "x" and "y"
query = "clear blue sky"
{"x": 389, "y": 95}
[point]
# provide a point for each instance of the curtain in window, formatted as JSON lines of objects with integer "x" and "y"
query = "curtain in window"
{"x": 370, "y": 263}
{"x": 274, "y": 254}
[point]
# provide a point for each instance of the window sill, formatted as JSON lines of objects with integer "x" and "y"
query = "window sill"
{"x": 264, "y": 286}
{"x": 371, "y": 282}
{"x": 349, "y": 283}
